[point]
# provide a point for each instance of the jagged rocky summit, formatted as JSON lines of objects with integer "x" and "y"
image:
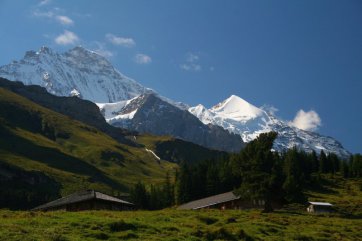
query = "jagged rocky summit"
{"x": 78, "y": 72}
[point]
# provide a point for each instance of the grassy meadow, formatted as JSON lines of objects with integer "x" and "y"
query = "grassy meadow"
{"x": 177, "y": 225}
{"x": 290, "y": 223}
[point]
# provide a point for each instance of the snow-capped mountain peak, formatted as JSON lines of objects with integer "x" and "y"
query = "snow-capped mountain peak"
{"x": 81, "y": 70}
{"x": 240, "y": 117}
{"x": 237, "y": 108}
{"x": 204, "y": 115}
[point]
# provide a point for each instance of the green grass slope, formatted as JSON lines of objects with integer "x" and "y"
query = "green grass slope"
{"x": 34, "y": 140}
{"x": 177, "y": 225}
{"x": 345, "y": 194}
{"x": 290, "y": 223}
{"x": 177, "y": 150}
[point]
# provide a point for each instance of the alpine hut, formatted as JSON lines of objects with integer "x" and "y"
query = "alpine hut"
{"x": 319, "y": 207}
{"x": 222, "y": 201}
{"x": 86, "y": 200}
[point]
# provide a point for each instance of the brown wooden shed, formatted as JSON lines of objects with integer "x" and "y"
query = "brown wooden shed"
{"x": 222, "y": 201}
{"x": 86, "y": 200}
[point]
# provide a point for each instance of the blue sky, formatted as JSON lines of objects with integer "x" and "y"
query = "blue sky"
{"x": 292, "y": 55}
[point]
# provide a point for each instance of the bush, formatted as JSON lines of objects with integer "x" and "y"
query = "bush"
{"x": 221, "y": 234}
{"x": 244, "y": 236}
{"x": 101, "y": 236}
{"x": 121, "y": 226}
{"x": 207, "y": 220}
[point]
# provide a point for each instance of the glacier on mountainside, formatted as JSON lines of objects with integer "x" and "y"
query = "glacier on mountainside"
{"x": 240, "y": 117}
{"x": 77, "y": 72}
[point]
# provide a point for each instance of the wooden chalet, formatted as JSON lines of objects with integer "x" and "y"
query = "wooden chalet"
{"x": 222, "y": 201}
{"x": 320, "y": 207}
{"x": 86, "y": 200}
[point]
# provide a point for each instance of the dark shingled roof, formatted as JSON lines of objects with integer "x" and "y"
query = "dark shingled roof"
{"x": 209, "y": 201}
{"x": 79, "y": 197}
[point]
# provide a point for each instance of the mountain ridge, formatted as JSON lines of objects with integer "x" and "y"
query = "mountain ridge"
{"x": 150, "y": 114}
{"x": 77, "y": 71}
{"x": 85, "y": 74}
{"x": 249, "y": 121}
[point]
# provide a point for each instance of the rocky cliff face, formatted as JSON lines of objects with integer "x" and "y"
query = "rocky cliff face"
{"x": 150, "y": 114}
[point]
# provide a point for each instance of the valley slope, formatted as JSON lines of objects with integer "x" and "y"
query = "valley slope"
{"x": 47, "y": 153}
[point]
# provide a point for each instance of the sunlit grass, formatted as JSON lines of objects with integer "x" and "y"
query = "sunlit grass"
{"x": 177, "y": 225}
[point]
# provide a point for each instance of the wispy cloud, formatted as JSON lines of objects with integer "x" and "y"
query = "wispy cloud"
{"x": 44, "y": 2}
{"x": 270, "y": 109}
{"x": 41, "y": 14}
{"x": 142, "y": 59}
{"x": 102, "y": 50}
{"x": 120, "y": 41}
{"x": 53, "y": 15}
{"x": 309, "y": 121}
{"x": 191, "y": 67}
{"x": 191, "y": 63}
{"x": 64, "y": 20}
{"x": 191, "y": 58}
{"x": 67, "y": 38}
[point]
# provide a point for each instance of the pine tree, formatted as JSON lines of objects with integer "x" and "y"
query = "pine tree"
{"x": 323, "y": 162}
{"x": 183, "y": 185}
{"x": 212, "y": 181}
{"x": 356, "y": 165}
{"x": 168, "y": 199}
{"x": 345, "y": 169}
{"x": 155, "y": 198}
{"x": 314, "y": 160}
{"x": 256, "y": 165}
{"x": 139, "y": 196}
{"x": 294, "y": 181}
{"x": 333, "y": 163}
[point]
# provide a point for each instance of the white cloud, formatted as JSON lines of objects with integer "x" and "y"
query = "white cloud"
{"x": 191, "y": 67}
{"x": 101, "y": 50}
{"x": 48, "y": 14}
{"x": 192, "y": 57}
{"x": 67, "y": 38}
{"x": 121, "y": 41}
{"x": 309, "y": 121}
{"x": 191, "y": 63}
{"x": 270, "y": 109}
{"x": 142, "y": 59}
{"x": 44, "y": 2}
{"x": 64, "y": 20}
{"x": 53, "y": 15}
{"x": 104, "y": 52}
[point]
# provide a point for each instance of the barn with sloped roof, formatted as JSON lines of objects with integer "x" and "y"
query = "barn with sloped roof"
{"x": 86, "y": 200}
{"x": 228, "y": 200}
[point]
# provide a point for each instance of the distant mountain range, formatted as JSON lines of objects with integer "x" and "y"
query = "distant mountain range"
{"x": 240, "y": 117}
{"x": 126, "y": 103}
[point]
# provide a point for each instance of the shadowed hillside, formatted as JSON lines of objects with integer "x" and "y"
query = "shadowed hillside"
{"x": 72, "y": 154}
